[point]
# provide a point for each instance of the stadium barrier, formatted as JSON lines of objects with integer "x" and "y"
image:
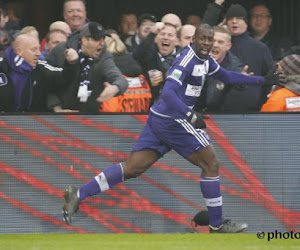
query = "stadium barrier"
{"x": 40, "y": 155}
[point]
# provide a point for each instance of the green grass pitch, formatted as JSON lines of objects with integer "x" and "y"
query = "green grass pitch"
{"x": 143, "y": 242}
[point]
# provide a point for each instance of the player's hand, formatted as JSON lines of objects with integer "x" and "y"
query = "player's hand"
{"x": 108, "y": 92}
{"x": 71, "y": 55}
{"x": 196, "y": 119}
{"x": 272, "y": 78}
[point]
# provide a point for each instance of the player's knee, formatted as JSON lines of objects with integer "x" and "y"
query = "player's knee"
{"x": 131, "y": 171}
{"x": 132, "y": 174}
{"x": 213, "y": 168}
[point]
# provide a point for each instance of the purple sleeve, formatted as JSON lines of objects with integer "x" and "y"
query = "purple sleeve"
{"x": 170, "y": 97}
{"x": 236, "y": 78}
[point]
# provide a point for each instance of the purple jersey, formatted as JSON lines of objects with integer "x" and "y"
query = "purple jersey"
{"x": 188, "y": 71}
{"x": 185, "y": 81}
{"x": 167, "y": 125}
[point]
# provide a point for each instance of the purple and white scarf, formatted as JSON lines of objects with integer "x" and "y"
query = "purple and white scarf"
{"x": 20, "y": 73}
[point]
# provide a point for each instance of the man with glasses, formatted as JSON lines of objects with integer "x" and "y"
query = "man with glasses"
{"x": 261, "y": 30}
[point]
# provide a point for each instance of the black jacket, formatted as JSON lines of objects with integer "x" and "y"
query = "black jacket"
{"x": 258, "y": 57}
{"x": 213, "y": 14}
{"x": 44, "y": 78}
{"x": 214, "y": 93}
{"x": 278, "y": 45}
{"x": 103, "y": 69}
{"x": 127, "y": 65}
{"x": 131, "y": 44}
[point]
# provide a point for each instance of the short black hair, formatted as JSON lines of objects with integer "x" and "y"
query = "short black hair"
{"x": 203, "y": 26}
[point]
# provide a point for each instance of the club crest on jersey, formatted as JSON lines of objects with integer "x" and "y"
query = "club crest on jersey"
{"x": 177, "y": 74}
{"x": 200, "y": 70}
{"x": 3, "y": 79}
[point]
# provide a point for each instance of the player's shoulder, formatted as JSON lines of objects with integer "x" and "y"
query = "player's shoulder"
{"x": 185, "y": 56}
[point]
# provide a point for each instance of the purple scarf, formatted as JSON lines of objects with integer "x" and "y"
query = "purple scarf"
{"x": 20, "y": 73}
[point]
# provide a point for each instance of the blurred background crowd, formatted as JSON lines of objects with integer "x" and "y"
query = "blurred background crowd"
{"x": 124, "y": 66}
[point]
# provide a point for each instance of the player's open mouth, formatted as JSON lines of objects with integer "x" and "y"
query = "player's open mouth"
{"x": 205, "y": 51}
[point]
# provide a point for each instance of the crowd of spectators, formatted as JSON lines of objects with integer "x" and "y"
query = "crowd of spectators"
{"x": 124, "y": 70}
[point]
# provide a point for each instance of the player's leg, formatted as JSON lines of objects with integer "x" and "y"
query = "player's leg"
{"x": 137, "y": 163}
{"x": 210, "y": 188}
{"x": 210, "y": 183}
{"x": 195, "y": 145}
{"x": 147, "y": 150}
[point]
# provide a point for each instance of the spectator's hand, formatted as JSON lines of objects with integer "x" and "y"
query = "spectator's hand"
{"x": 196, "y": 119}
{"x": 157, "y": 77}
{"x": 219, "y": 2}
{"x": 71, "y": 55}
{"x": 245, "y": 69}
{"x": 157, "y": 27}
{"x": 59, "y": 109}
{"x": 108, "y": 92}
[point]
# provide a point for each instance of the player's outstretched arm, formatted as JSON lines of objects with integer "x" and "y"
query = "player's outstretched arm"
{"x": 236, "y": 78}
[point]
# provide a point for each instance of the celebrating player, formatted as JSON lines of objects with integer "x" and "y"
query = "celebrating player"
{"x": 172, "y": 124}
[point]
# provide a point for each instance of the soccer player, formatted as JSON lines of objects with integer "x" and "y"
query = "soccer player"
{"x": 172, "y": 124}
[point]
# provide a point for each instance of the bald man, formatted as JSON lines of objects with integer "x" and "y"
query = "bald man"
{"x": 25, "y": 81}
{"x": 185, "y": 34}
{"x": 169, "y": 18}
{"x": 60, "y": 25}
{"x": 57, "y": 25}
{"x": 172, "y": 19}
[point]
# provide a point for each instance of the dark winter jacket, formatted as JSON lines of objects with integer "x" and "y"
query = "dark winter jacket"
{"x": 214, "y": 92}
{"x": 127, "y": 65}
{"x": 278, "y": 45}
{"x": 258, "y": 57}
{"x": 42, "y": 79}
{"x": 103, "y": 69}
{"x": 213, "y": 14}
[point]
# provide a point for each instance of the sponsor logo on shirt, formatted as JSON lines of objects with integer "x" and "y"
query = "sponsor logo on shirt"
{"x": 200, "y": 70}
{"x": 177, "y": 74}
{"x": 192, "y": 90}
{"x": 3, "y": 79}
